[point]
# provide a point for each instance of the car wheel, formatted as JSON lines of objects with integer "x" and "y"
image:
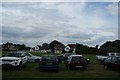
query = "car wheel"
{"x": 20, "y": 66}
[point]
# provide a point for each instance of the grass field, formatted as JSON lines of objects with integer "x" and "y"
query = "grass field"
{"x": 95, "y": 70}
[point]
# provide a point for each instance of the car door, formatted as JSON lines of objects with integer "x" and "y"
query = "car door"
{"x": 23, "y": 58}
{"x": 30, "y": 57}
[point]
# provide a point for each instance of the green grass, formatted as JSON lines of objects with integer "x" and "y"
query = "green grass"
{"x": 95, "y": 70}
{"x": 43, "y": 53}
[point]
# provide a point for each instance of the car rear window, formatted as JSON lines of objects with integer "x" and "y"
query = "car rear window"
{"x": 45, "y": 58}
{"x": 78, "y": 59}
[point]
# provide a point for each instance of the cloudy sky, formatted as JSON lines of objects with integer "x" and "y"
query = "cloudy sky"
{"x": 33, "y": 23}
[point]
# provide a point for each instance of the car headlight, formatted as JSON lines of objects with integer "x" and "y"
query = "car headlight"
{"x": 17, "y": 60}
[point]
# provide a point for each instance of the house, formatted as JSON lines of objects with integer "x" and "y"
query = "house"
{"x": 70, "y": 48}
{"x": 31, "y": 50}
{"x": 36, "y": 48}
{"x": 58, "y": 48}
{"x": 9, "y": 46}
{"x": 13, "y": 48}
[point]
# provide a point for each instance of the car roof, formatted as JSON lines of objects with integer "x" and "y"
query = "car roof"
{"x": 76, "y": 55}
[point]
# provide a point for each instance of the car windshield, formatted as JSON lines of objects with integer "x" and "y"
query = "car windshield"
{"x": 50, "y": 58}
{"x": 78, "y": 59}
{"x": 28, "y": 54}
{"x": 13, "y": 55}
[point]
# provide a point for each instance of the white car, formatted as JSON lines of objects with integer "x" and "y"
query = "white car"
{"x": 14, "y": 59}
{"x": 32, "y": 58}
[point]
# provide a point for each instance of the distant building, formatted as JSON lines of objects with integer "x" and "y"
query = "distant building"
{"x": 58, "y": 48}
{"x": 31, "y": 50}
{"x": 13, "y": 48}
{"x": 9, "y": 46}
{"x": 37, "y": 48}
{"x": 70, "y": 48}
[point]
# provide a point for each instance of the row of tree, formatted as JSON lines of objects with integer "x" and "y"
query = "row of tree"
{"x": 83, "y": 49}
{"x": 110, "y": 46}
{"x": 45, "y": 46}
{"x": 10, "y": 46}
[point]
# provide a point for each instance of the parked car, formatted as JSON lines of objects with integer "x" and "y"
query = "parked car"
{"x": 77, "y": 61}
{"x": 66, "y": 55}
{"x": 60, "y": 58}
{"x": 101, "y": 58}
{"x": 32, "y": 58}
{"x": 49, "y": 62}
{"x": 14, "y": 59}
{"x": 112, "y": 62}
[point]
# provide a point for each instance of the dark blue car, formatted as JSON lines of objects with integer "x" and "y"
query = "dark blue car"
{"x": 49, "y": 62}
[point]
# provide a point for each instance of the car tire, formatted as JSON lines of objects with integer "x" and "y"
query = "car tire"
{"x": 20, "y": 66}
{"x": 103, "y": 62}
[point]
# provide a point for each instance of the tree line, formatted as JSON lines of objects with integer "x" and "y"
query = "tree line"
{"x": 108, "y": 46}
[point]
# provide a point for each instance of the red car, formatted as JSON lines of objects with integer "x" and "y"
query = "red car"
{"x": 77, "y": 61}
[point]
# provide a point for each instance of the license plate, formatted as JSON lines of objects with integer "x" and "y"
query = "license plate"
{"x": 49, "y": 63}
{"x": 78, "y": 66}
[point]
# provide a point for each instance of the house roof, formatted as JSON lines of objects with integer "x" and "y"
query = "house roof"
{"x": 72, "y": 45}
